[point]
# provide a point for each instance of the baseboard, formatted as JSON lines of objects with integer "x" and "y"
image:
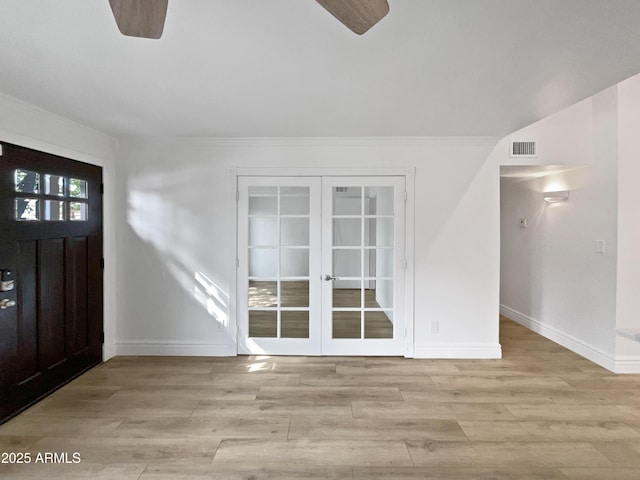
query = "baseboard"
{"x": 568, "y": 341}
{"x": 457, "y": 350}
{"x": 627, "y": 364}
{"x": 108, "y": 351}
{"x": 176, "y": 349}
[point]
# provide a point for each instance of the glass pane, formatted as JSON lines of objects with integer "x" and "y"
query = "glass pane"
{"x": 263, "y": 262}
{"x": 54, "y": 210}
{"x": 78, "y": 188}
{"x": 54, "y": 185}
{"x": 263, "y": 205}
{"x": 27, "y": 209}
{"x": 378, "y": 325}
{"x": 255, "y": 190}
{"x": 294, "y": 294}
{"x": 295, "y": 231}
{"x": 347, "y": 297}
{"x": 347, "y": 263}
{"x": 378, "y": 232}
{"x": 383, "y": 261}
{"x": 294, "y": 201}
{"x": 380, "y": 200}
{"x": 369, "y": 262}
{"x": 294, "y": 262}
{"x": 263, "y": 324}
{"x": 294, "y": 324}
{"x": 347, "y": 201}
{"x": 347, "y": 232}
{"x": 263, "y": 294}
{"x": 379, "y": 294}
{"x": 263, "y": 231}
{"x": 27, "y": 182}
{"x": 79, "y": 211}
{"x": 346, "y": 325}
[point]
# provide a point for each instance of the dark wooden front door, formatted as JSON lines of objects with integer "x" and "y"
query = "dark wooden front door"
{"x": 51, "y": 247}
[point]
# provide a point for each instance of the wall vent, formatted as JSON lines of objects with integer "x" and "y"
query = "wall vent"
{"x": 523, "y": 149}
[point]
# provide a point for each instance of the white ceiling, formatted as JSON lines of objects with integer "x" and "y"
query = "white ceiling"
{"x": 229, "y": 68}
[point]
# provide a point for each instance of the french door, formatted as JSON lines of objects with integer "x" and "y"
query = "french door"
{"x": 321, "y": 265}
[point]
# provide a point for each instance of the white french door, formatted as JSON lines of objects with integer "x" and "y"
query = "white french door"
{"x": 363, "y": 265}
{"x": 321, "y": 265}
{"x": 279, "y": 253}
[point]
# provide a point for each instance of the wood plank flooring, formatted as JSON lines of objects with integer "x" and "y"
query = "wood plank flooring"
{"x": 542, "y": 412}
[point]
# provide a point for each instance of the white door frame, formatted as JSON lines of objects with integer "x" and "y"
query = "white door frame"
{"x": 409, "y": 174}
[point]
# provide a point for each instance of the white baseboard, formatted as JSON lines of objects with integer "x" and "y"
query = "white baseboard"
{"x": 456, "y": 350}
{"x": 108, "y": 351}
{"x": 177, "y": 349}
{"x": 568, "y": 341}
{"x": 628, "y": 364}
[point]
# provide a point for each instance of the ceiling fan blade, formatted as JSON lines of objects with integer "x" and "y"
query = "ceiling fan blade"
{"x": 358, "y": 15}
{"x": 140, "y": 18}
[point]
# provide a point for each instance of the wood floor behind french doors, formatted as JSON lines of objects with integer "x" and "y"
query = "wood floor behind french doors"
{"x": 321, "y": 265}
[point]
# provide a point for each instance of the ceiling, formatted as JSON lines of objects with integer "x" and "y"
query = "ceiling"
{"x": 258, "y": 68}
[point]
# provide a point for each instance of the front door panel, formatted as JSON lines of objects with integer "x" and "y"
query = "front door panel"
{"x": 51, "y": 242}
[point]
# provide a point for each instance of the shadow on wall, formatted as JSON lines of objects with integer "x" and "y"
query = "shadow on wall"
{"x": 167, "y": 211}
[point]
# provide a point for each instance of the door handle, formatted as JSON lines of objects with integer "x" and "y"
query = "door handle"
{"x": 6, "y": 303}
{"x": 328, "y": 278}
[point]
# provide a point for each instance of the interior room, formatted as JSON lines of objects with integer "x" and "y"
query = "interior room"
{"x": 356, "y": 239}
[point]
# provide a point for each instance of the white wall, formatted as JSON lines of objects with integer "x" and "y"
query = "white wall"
{"x": 177, "y": 211}
{"x": 26, "y": 125}
{"x": 551, "y": 277}
{"x": 628, "y": 279}
{"x": 564, "y": 138}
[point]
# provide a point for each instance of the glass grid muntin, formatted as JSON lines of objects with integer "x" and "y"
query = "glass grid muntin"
{"x": 278, "y": 278}
{"x": 362, "y": 248}
{"x": 42, "y": 198}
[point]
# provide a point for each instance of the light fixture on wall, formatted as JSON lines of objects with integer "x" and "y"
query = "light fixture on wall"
{"x": 555, "y": 197}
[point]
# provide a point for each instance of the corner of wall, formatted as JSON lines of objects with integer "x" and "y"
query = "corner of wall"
{"x": 570, "y": 342}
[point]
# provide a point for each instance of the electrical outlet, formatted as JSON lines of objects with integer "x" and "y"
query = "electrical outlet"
{"x": 435, "y": 327}
{"x": 522, "y": 222}
{"x": 600, "y": 246}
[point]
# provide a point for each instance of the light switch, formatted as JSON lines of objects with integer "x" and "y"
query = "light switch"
{"x": 600, "y": 246}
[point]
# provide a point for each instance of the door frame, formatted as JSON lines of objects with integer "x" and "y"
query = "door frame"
{"x": 408, "y": 172}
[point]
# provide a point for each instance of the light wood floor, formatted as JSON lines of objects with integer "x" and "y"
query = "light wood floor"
{"x": 540, "y": 413}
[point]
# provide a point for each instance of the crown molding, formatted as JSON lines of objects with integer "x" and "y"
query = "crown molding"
{"x": 344, "y": 142}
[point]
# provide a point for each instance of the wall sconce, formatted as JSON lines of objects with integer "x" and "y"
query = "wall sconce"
{"x": 555, "y": 197}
